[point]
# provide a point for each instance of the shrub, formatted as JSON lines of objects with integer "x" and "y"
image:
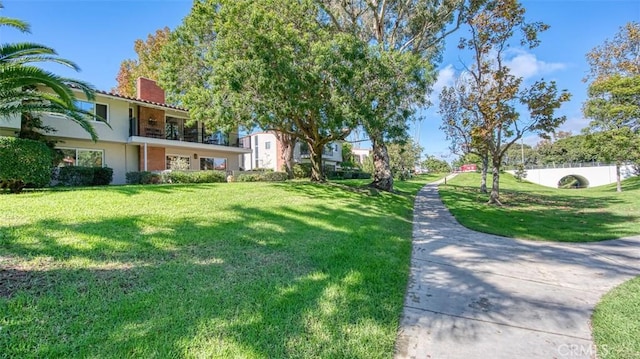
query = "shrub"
{"x": 85, "y": 176}
{"x": 274, "y": 176}
{"x": 75, "y": 176}
{"x": 520, "y": 173}
{"x": 102, "y": 176}
{"x": 336, "y": 175}
{"x": 302, "y": 170}
{"x": 143, "y": 177}
{"x": 196, "y": 176}
{"x": 248, "y": 177}
{"x": 24, "y": 162}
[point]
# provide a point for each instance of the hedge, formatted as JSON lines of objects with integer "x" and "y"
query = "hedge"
{"x": 143, "y": 177}
{"x": 262, "y": 177}
{"x": 334, "y": 175}
{"x": 24, "y": 162}
{"x": 196, "y": 176}
{"x": 302, "y": 170}
{"x": 85, "y": 176}
{"x": 274, "y": 176}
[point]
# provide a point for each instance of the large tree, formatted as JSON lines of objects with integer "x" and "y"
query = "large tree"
{"x": 272, "y": 65}
{"x": 618, "y": 56}
{"x": 404, "y": 157}
{"x": 567, "y": 149}
{"x": 460, "y": 122}
{"x": 497, "y": 95}
{"x": 614, "y": 96}
{"x": 614, "y": 107}
{"x": 617, "y": 145}
{"x": 407, "y": 39}
{"x": 26, "y": 90}
{"x": 147, "y": 64}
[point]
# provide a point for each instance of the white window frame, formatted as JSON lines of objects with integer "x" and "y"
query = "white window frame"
{"x": 226, "y": 161}
{"x": 83, "y": 149}
{"x": 107, "y": 120}
{"x": 176, "y": 155}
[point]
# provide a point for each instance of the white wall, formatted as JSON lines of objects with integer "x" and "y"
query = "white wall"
{"x": 9, "y": 125}
{"x": 121, "y": 157}
{"x": 330, "y": 159}
{"x": 118, "y": 116}
{"x": 267, "y": 158}
{"x": 596, "y": 176}
{"x": 233, "y": 159}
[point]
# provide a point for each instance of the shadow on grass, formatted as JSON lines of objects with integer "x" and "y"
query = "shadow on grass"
{"x": 541, "y": 215}
{"x": 269, "y": 283}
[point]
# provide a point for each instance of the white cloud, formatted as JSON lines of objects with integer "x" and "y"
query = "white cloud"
{"x": 527, "y": 65}
{"x": 446, "y": 77}
{"x": 574, "y": 125}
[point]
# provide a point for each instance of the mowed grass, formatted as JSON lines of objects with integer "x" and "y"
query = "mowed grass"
{"x": 535, "y": 212}
{"x": 240, "y": 270}
{"x": 616, "y": 322}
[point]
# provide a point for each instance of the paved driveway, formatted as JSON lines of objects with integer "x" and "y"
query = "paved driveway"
{"x": 474, "y": 295}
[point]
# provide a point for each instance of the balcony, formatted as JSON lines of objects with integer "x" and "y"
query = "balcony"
{"x": 177, "y": 130}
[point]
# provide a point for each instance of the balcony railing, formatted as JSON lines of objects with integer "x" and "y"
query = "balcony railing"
{"x": 188, "y": 134}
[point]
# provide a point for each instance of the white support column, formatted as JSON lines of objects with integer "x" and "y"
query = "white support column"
{"x": 145, "y": 156}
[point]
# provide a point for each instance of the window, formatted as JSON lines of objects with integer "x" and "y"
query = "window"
{"x": 211, "y": 163}
{"x": 174, "y": 128}
{"x": 81, "y": 157}
{"x": 267, "y": 145}
{"x": 304, "y": 149}
{"x": 178, "y": 163}
{"x": 100, "y": 111}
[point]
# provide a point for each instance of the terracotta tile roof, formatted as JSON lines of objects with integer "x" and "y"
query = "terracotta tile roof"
{"x": 113, "y": 94}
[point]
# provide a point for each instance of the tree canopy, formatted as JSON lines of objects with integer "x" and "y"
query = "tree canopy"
{"x": 496, "y": 96}
{"x": 148, "y": 63}
{"x": 406, "y": 38}
{"x": 268, "y": 64}
{"x": 614, "y": 97}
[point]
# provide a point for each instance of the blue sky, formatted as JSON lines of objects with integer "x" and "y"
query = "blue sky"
{"x": 98, "y": 35}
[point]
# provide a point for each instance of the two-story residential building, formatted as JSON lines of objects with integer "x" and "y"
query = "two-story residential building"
{"x": 360, "y": 154}
{"x": 266, "y": 152}
{"x": 143, "y": 134}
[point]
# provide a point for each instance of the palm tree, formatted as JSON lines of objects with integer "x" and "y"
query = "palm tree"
{"x": 26, "y": 88}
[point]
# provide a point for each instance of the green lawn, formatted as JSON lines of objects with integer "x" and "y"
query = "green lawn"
{"x": 542, "y": 213}
{"x": 239, "y": 270}
{"x": 616, "y": 322}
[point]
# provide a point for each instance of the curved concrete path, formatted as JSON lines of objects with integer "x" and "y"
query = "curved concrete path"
{"x": 475, "y": 295}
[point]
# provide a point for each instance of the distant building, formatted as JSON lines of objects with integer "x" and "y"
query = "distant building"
{"x": 266, "y": 152}
{"x": 471, "y": 167}
{"x": 360, "y": 154}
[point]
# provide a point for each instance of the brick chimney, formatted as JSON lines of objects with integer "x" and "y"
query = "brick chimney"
{"x": 148, "y": 90}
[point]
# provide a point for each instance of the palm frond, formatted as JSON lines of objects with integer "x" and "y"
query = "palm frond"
{"x": 26, "y": 52}
{"x": 14, "y": 23}
{"x": 24, "y": 76}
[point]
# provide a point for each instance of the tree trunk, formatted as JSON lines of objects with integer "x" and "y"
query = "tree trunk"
{"x": 494, "y": 197}
{"x": 382, "y": 177}
{"x": 618, "y": 179}
{"x": 483, "y": 178}
{"x": 317, "y": 173}
{"x": 287, "y": 142}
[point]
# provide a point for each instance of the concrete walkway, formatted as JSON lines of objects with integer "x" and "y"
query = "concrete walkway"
{"x": 474, "y": 295}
